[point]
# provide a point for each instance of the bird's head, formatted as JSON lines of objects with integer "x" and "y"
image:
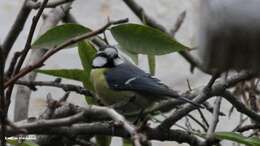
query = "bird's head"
{"x": 107, "y": 57}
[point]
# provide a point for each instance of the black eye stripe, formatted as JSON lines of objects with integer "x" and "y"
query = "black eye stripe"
{"x": 102, "y": 54}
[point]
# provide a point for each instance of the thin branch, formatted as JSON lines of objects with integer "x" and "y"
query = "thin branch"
{"x": 3, "y": 113}
{"x": 203, "y": 118}
{"x": 36, "y": 5}
{"x": 215, "y": 119}
{"x": 241, "y": 107}
{"x": 72, "y": 125}
{"x": 52, "y": 51}
{"x": 26, "y": 49}
{"x": 23, "y": 94}
{"x": 69, "y": 18}
{"x": 198, "y": 122}
{"x": 110, "y": 130}
{"x": 16, "y": 28}
{"x": 27, "y": 46}
{"x": 178, "y": 23}
{"x": 217, "y": 89}
{"x": 41, "y": 124}
{"x": 14, "y": 60}
{"x": 248, "y": 127}
{"x": 65, "y": 87}
{"x": 141, "y": 14}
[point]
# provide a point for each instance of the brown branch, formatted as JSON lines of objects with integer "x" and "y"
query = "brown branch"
{"x": 52, "y": 51}
{"x": 113, "y": 130}
{"x": 215, "y": 119}
{"x": 26, "y": 49}
{"x": 36, "y": 5}
{"x": 14, "y": 60}
{"x": 141, "y": 14}
{"x": 85, "y": 113}
{"x": 72, "y": 125}
{"x": 69, "y": 18}
{"x": 240, "y": 106}
{"x": 248, "y": 127}
{"x": 3, "y": 113}
{"x": 65, "y": 87}
{"x": 217, "y": 89}
{"x": 178, "y": 23}
{"x": 16, "y": 28}
{"x": 23, "y": 94}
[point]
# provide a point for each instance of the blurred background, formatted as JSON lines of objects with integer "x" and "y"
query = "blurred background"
{"x": 172, "y": 69}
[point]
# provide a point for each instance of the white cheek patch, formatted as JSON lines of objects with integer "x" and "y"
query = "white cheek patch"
{"x": 118, "y": 61}
{"x": 99, "y": 61}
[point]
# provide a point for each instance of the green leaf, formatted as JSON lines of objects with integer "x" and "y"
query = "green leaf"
{"x": 73, "y": 74}
{"x": 232, "y": 136}
{"x": 143, "y": 39}
{"x": 87, "y": 53}
{"x": 133, "y": 56}
{"x": 152, "y": 64}
{"x": 59, "y": 34}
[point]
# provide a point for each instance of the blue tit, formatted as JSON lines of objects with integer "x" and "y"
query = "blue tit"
{"x": 116, "y": 80}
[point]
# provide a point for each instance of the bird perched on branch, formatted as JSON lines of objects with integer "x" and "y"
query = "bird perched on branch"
{"x": 118, "y": 81}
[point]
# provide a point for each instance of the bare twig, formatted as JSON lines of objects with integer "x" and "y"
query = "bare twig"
{"x": 65, "y": 87}
{"x": 198, "y": 122}
{"x": 203, "y": 118}
{"x": 23, "y": 94}
{"x": 36, "y": 5}
{"x": 52, "y": 51}
{"x": 3, "y": 113}
{"x": 16, "y": 28}
{"x": 215, "y": 119}
{"x": 14, "y": 60}
{"x": 141, "y": 14}
{"x": 69, "y": 18}
{"x": 26, "y": 48}
{"x": 178, "y": 23}
{"x": 248, "y": 127}
{"x": 240, "y": 106}
{"x": 72, "y": 125}
{"x": 216, "y": 90}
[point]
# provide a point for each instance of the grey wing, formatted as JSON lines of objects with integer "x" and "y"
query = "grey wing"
{"x": 127, "y": 76}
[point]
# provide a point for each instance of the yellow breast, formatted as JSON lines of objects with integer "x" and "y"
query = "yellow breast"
{"x": 107, "y": 96}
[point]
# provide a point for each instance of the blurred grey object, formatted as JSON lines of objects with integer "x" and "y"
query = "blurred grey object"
{"x": 229, "y": 34}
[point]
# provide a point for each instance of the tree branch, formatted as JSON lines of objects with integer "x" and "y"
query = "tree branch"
{"x": 72, "y": 125}
{"x": 215, "y": 119}
{"x": 52, "y": 51}
{"x": 3, "y": 112}
{"x": 217, "y": 89}
{"x": 26, "y": 49}
{"x": 23, "y": 93}
{"x": 16, "y": 28}
{"x": 36, "y": 5}
{"x": 65, "y": 87}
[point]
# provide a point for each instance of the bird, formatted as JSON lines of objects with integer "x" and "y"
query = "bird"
{"x": 116, "y": 80}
